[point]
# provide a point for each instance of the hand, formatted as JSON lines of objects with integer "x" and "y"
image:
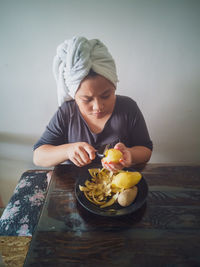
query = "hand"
{"x": 81, "y": 153}
{"x": 125, "y": 161}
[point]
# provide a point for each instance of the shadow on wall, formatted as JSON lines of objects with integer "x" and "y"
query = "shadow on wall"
{"x": 16, "y": 146}
{"x": 17, "y": 138}
{"x": 15, "y": 158}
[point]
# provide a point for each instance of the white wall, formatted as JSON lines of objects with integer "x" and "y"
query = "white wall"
{"x": 156, "y": 45}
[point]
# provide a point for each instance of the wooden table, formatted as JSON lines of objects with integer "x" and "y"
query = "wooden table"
{"x": 165, "y": 231}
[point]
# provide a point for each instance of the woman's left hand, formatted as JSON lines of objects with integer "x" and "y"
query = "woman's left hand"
{"x": 125, "y": 161}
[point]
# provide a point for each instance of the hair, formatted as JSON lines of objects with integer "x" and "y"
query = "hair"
{"x": 91, "y": 74}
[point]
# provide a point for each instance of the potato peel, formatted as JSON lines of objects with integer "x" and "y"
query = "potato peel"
{"x": 99, "y": 190}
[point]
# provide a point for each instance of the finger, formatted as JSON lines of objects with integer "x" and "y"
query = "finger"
{"x": 120, "y": 146}
{"x": 117, "y": 166}
{"x": 83, "y": 156}
{"x": 108, "y": 167}
{"x": 80, "y": 160}
{"x": 122, "y": 162}
{"x": 114, "y": 167}
{"x": 91, "y": 151}
{"x": 76, "y": 162}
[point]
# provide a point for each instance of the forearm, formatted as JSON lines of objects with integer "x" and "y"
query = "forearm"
{"x": 140, "y": 154}
{"x": 49, "y": 155}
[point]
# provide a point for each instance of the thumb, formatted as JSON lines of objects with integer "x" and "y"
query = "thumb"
{"x": 120, "y": 146}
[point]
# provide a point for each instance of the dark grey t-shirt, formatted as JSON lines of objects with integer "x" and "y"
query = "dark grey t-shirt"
{"x": 126, "y": 125}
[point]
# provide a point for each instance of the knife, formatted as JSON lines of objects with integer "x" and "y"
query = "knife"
{"x": 102, "y": 149}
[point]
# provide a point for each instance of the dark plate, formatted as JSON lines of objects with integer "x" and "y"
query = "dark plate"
{"x": 115, "y": 209}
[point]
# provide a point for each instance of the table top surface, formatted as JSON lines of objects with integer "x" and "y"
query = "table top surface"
{"x": 13, "y": 250}
{"x": 164, "y": 231}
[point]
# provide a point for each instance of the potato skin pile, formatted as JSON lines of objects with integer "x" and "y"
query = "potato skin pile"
{"x": 105, "y": 188}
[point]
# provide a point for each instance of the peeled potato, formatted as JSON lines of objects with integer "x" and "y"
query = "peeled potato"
{"x": 126, "y": 180}
{"x": 127, "y": 197}
{"x": 112, "y": 155}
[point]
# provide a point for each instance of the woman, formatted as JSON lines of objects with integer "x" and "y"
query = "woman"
{"x": 90, "y": 113}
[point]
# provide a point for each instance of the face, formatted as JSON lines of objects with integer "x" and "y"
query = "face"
{"x": 96, "y": 97}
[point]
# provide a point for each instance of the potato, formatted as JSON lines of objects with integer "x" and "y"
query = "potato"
{"x": 127, "y": 197}
{"x": 112, "y": 155}
{"x": 126, "y": 179}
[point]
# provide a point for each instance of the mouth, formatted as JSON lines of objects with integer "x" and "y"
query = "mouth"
{"x": 98, "y": 114}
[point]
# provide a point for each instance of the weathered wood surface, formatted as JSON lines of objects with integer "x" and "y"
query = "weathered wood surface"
{"x": 13, "y": 250}
{"x": 164, "y": 232}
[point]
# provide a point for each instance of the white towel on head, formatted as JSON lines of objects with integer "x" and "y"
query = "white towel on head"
{"x": 73, "y": 61}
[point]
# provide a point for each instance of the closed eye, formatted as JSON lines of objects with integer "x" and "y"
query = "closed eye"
{"x": 86, "y": 100}
{"x": 105, "y": 96}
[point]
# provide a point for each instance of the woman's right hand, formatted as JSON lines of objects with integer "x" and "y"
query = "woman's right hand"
{"x": 80, "y": 153}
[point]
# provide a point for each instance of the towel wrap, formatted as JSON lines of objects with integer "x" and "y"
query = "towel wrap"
{"x": 73, "y": 61}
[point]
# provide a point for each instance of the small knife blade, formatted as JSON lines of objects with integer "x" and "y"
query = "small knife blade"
{"x": 101, "y": 151}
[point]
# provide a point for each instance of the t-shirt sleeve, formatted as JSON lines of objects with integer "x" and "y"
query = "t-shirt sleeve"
{"x": 139, "y": 132}
{"x": 55, "y": 132}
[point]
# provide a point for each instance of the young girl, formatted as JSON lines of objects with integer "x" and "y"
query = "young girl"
{"x": 90, "y": 114}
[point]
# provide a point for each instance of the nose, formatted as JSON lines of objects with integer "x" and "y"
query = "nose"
{"x": 97, "y": 105}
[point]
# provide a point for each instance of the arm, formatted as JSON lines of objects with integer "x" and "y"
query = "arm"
{"x": 54, "y": 148}
{"x": 139, "y": 154}
{"x": 79, "y": 153}
{"x": 137, "y": 139}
